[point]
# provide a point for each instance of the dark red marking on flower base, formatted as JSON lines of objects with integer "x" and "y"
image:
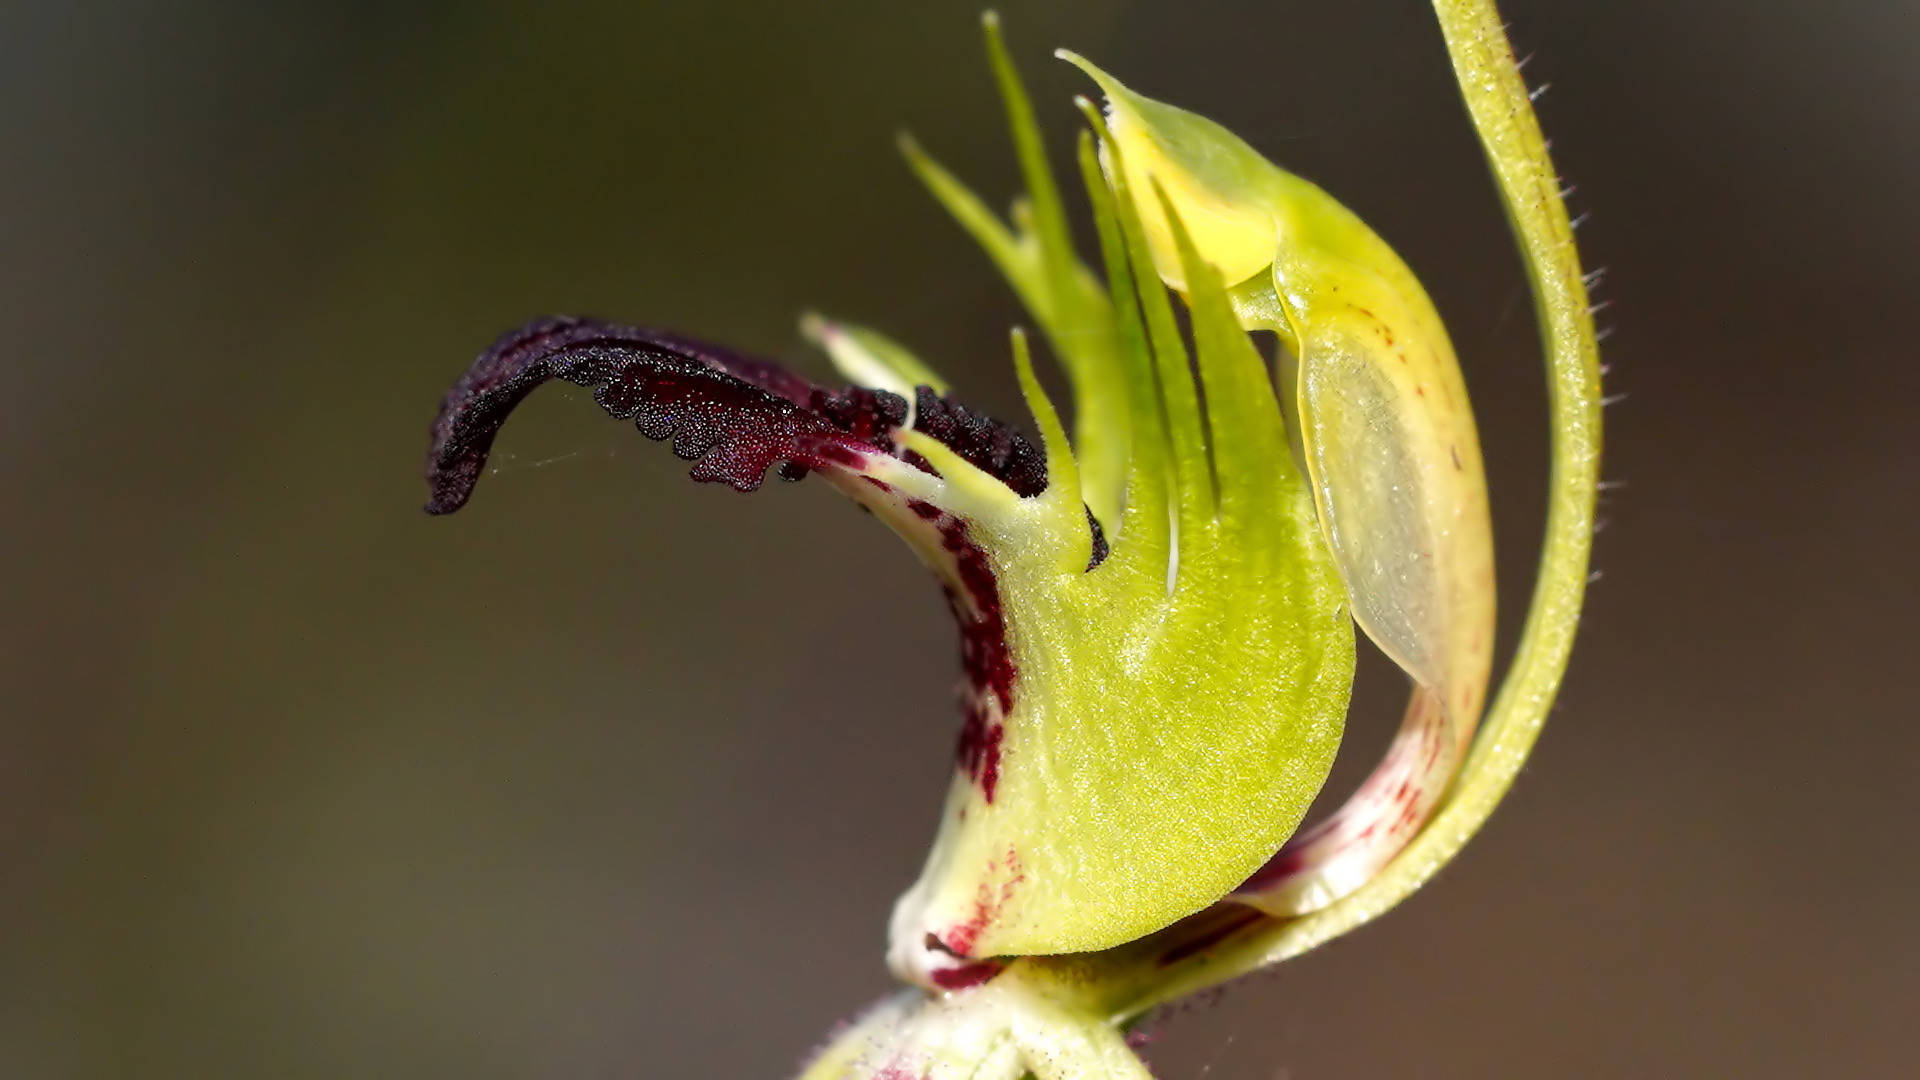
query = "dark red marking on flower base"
{"x": 958, "y": 941}
{"x": 979, "y": 749}
{"x": 990, "y": 761}
{"x": 967, "y": 975}
{"x": 1288, "y": 861}
{"x": 985, "y": 659}
{"x": 983, "y": 642}
{"x": 1388, "y": 808}
{"x": 1227, "y": 921}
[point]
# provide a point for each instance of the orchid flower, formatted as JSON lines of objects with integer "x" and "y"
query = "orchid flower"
{"x": 1156, "y": 613}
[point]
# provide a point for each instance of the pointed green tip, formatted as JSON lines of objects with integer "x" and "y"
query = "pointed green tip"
{"x": 917, "y": 158}
{"x": 1109, "y": 85}
{"x": 1064, "y": 494}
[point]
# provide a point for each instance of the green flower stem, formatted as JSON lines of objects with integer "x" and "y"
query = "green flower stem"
{"x": 1502, "y": 113}
{"x": 1133, "y": 979}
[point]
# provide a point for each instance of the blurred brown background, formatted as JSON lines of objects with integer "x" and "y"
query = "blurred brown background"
{"x": 613, "y": 775}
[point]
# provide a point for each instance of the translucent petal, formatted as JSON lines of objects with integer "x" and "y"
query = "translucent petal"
{"x": 1387, "y": 437}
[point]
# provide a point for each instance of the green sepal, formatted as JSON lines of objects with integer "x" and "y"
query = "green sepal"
{"x": 1383, "y": 426}
{"x": 1035, "y": 254}
{"x": 1149, "y": 761}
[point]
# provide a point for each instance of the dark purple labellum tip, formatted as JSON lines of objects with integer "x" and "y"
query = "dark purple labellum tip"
{"x": 733, "y": 416}
{"x": 736, "y": 418}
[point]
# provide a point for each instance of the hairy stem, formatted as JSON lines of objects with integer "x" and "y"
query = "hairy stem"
{"x": 1498, "y": 103}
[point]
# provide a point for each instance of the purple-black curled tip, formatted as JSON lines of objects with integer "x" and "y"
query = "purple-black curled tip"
{"x": 733, "y": 416}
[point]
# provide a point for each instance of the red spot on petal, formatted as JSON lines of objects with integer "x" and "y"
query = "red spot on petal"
{"x": 1204, "y": 938}
{"x": 969, "y": 975}
{"x": 985, "y": 661}
{"x": 958, "y": 941}
{"x": 835, "y": 454}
